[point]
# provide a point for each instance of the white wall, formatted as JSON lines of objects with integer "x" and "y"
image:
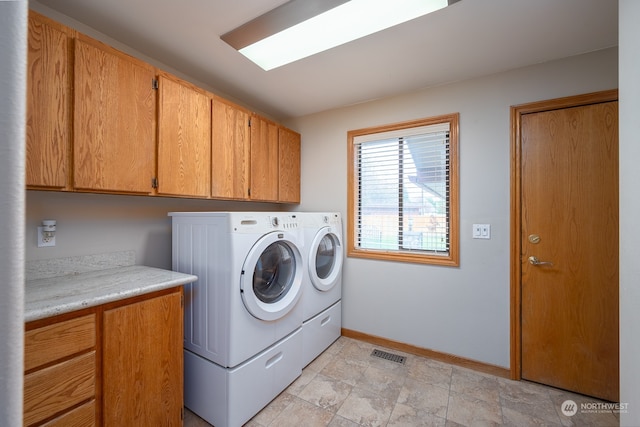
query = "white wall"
{"x": 629, "y": 210}
{"x": 13, "y": 36}
{"x": 462, "y": 311}
{"x": 97, "y": 223}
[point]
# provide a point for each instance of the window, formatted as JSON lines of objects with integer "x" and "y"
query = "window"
{"x": 403, "y": 191}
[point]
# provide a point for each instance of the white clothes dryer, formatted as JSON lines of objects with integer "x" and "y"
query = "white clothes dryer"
{"x": 322, "y": 293}
{"x": 243, "y": 318}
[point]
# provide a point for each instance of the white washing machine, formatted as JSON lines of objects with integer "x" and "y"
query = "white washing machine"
{"x": 322, "y": 294}
{"x": 243, "y": 317}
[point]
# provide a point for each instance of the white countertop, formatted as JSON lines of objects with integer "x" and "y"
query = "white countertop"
{"x": 47, "y": 297}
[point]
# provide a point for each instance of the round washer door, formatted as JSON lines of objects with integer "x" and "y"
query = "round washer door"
{"x": 325, "y": 259}
{"x": 271, "y": 280}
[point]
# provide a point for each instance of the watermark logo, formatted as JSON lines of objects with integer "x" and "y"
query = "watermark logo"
{"x": 569, "y": 408}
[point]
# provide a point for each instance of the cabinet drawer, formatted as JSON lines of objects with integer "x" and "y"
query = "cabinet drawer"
{"x": 58, "y": 387}
{"x": 52, "y": 342}
{"x": 82, "y": 416}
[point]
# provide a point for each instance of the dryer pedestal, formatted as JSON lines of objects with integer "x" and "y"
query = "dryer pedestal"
{"x": 229, "y": 397}
{"x": 319, "y": 332}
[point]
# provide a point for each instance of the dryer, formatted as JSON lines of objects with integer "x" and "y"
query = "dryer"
{"x": 243, "y": 317}
{"x": 322, "y": 293}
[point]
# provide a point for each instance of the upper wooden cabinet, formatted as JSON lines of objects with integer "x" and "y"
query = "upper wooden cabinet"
{"x": 48, "y": 139}
{"x": 114, "y": 120}
{"x": 184, "y": 139}
{"x": 230, "y": 151}
{"x": 264, "y": 159}
{"x": 289, "y": 166}
{"x": 102, "y": 121}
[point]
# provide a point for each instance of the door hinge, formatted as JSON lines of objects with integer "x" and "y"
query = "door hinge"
{"x": 154, "y": 182}
{"x": 249, "y": 192}
{"x": 182, "y": 300}
{"x": 249, "y": 121}
{"x": 154, "y": 84}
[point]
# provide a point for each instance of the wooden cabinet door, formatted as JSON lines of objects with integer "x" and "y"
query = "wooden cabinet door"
{"x": 230, "y": 151}
{"x": 48, "y": 136}
{"x": 289, "y": 166}
{"x": 184, "y": 139}
{"x": 142, "y": 363}
{"x": 114, "y": 120}
{"x": 264, "y": 159}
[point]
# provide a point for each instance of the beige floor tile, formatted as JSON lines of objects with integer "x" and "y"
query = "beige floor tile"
{"x": 338, "y": 421}
{"x": 302, "y": 413}
{"x": 321, "y": 361}
{"x": 385, "y": 383}
{"x": 424, "y": 398}
{"x": 480, "y": 386}
{"x": 530, "y": 399}
{"x": 366, "y": 408}
{"x": 408, "y": 416}
{"x": 513, "y": 418}
{"x": 325, "y": 392}
{"x": 469, "y": 411}
{"x": 430, "y": 371}
{"x": 347, "y": 370}
{"x": 356, "y": 351}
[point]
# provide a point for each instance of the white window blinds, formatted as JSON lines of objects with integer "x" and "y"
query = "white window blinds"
{"x": 403, "y": 190}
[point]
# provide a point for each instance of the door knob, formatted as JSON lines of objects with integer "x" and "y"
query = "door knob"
{"x": 535, "y": 261}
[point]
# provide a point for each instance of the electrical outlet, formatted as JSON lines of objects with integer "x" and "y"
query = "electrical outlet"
{"x": 44, "y": 242}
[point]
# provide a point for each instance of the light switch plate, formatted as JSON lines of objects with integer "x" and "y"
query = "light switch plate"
{"x": 481, "y": 231}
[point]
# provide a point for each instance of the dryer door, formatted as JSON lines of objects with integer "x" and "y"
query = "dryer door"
{"x": 271, "y": 280}
{"x": 325, "y": 259}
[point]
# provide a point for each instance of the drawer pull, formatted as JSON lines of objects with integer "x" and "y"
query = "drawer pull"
{"x": 275, "y": 359}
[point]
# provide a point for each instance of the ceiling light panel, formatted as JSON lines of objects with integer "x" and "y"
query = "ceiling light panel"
{"x": 301, "y": 28}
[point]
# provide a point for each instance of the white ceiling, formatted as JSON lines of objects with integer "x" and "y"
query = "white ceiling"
{"x": 468, "y": 39}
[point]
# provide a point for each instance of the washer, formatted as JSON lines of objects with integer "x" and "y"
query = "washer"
{"x": 322, "y": 294}
{"x": 243, "y": 316}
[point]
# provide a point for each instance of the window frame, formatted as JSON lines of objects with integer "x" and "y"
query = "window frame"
{"x": 453, "y": 257}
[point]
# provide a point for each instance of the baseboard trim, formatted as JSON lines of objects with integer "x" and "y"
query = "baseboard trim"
{"x": 436, "y": 355}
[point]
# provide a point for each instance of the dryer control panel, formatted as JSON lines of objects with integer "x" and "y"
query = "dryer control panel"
{"x": 285, "y": 222}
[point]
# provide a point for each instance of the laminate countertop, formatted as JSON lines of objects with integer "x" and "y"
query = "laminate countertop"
{"x": 46, "y": 297}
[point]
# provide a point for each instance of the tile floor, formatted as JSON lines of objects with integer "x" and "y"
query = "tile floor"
{"x": 347, "y": 387}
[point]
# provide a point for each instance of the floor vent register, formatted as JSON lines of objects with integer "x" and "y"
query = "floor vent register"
{"x": 389, "y": 356}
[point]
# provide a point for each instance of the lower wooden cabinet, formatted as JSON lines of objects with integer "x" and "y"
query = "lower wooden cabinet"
{"x": 117, "y": 364}
{"x": 142, "y": 363}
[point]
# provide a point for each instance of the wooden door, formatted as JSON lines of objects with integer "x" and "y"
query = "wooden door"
{"x": 289, "y": 166}
{"x": 142, "y": 363}
{"x": 264, "y": 159}
{"x": 184, "y": 139}
{"x": 229, "y": 151}
{"x": 48, "y": 136}
{"x": 569, "y": 224}
{"x": 114, "y": 120}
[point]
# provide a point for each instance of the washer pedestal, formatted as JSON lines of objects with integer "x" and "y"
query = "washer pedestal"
{"x": 229, "y": 397}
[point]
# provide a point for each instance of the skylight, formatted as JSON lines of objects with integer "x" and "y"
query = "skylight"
{"x": 341, "y": 24}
